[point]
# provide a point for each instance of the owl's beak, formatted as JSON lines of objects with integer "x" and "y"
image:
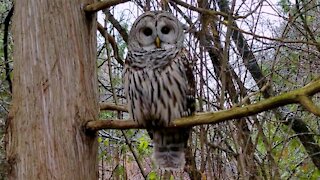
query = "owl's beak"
{"x": 158, "y": 42}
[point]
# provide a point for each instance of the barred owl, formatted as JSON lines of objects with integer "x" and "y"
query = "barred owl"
{"x": 159, "y": 84}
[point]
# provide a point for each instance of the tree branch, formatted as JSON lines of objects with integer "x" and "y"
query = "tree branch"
{"x": 307, "y": 103}
{"x": 111, "y": 124}
{"x": 199, "y": 10}
{"x": 291, "y": 97}
{"x": 97, "y": 6}
{"x": 118, "y": 26}
{"x": 113, "y": 107}
{"x": 113, "y": 43}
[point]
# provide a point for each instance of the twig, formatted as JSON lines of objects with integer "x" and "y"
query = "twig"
{"x": 128, "y": 142}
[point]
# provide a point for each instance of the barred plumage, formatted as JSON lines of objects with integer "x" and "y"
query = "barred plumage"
{"x": 160, "y": 88}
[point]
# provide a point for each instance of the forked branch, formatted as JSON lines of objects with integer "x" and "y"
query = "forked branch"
{"x": 301, "y": 96}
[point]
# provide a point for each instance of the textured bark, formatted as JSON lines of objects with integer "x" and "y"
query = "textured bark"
{"x": 54, "y": 91}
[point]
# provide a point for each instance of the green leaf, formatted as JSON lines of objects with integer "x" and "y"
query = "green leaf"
{"x": 143, "y": 145}
{"x": 153, "y": 176}
{"x": 99, "y": 139}
{"x": 106, "y": 142}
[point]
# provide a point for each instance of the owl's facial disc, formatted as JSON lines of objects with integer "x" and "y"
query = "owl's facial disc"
{"x": 155, "y": 30}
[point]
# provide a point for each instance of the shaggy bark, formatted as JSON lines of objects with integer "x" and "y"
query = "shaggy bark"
{"x": 54, "y": 91}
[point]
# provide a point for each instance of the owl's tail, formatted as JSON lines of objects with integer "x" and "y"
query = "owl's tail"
{"x": 169, "y": 147}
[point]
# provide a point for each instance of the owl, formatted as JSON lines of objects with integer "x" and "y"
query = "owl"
{"x": 159, "y": 84}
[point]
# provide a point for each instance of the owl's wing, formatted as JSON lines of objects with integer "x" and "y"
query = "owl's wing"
{"x": 188, "y": 64}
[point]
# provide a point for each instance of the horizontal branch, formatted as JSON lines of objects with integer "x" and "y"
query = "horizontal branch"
{"x": 113, "y": 107}
{"x": 295, "y": 96}
{"x": 97, "y": 6}
{"x": 112, "y": 124}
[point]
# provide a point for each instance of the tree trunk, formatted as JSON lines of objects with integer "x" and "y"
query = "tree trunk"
{"x": 54, "y": 91}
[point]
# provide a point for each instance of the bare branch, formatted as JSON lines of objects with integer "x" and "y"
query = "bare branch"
{"x": 97, "y": 6}
{"x": 111, "y": 124}
{"x": 113, "y": 107}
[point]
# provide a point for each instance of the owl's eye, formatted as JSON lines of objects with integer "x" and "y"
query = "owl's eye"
{"x": 165, "y": 30}
{"x": 147, "y": 31}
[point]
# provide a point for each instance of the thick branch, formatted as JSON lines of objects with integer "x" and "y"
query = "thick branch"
{"x": 220, "y": 116}
{"x": 94, "y": 7}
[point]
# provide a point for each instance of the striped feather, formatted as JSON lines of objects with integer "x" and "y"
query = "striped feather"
{"x": 158, "y": 85}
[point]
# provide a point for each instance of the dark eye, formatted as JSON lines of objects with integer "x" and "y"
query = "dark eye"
{"x": 147, "y": 31}
{"x": 165, "y": 30}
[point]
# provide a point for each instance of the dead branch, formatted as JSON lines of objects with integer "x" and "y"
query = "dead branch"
{"x": 295, "y": 96}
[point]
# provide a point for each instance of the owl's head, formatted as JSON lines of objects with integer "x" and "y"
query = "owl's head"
{"x": 156, "y": 30}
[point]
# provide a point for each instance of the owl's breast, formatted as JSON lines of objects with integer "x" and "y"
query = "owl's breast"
{"x": 156, "y": 95}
